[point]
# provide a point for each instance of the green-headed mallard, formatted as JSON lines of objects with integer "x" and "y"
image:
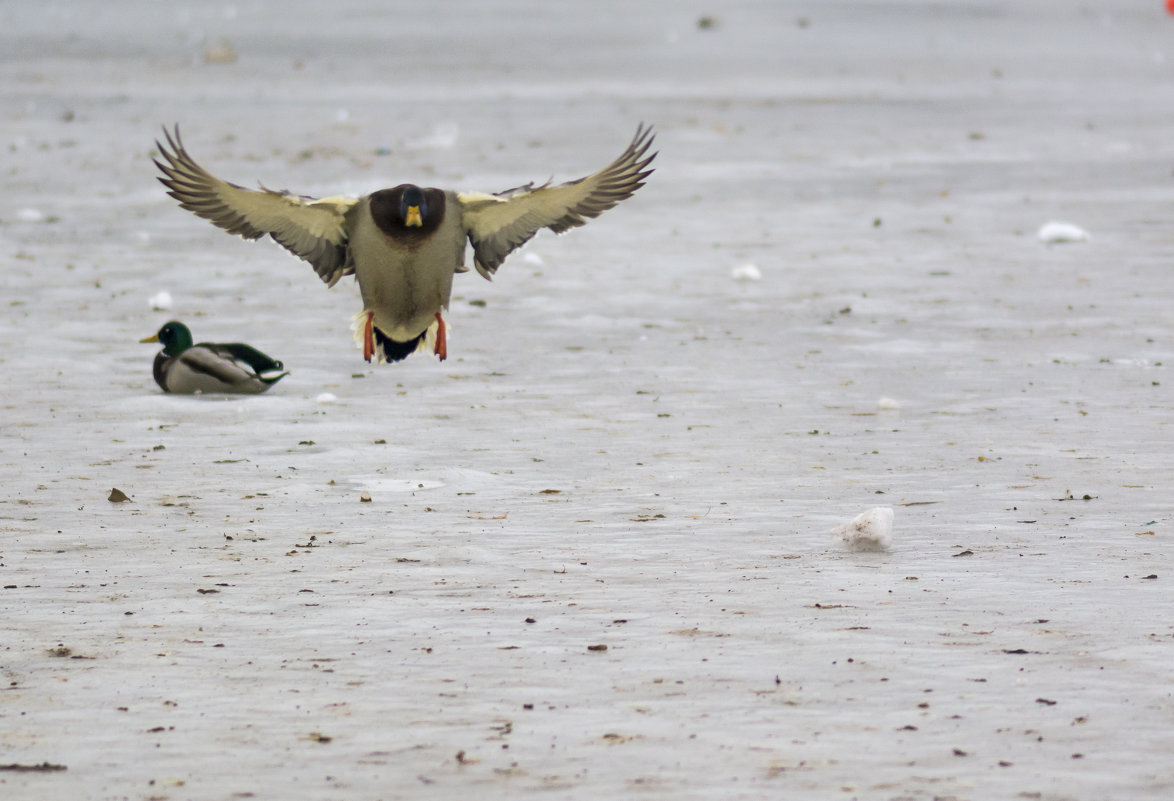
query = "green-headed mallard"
{"x": 229, "y": 367}
{"x": 402, "y": 244}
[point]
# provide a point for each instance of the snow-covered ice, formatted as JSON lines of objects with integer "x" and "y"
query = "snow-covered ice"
{"x": 405, "y": 593}
{"x": 443, "y": 136}
{"x": 871, "y": 530}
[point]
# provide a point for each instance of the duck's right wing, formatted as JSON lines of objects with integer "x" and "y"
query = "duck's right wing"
{"x": 314, "y": 230}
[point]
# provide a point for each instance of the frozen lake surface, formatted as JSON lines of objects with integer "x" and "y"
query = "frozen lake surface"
{"x": 596, "y": 562}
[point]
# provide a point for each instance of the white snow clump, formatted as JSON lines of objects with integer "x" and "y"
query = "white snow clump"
{"x": 868, "y": 531}
{"x": 746, "y": 272}
{"x": 1056, "y": 232}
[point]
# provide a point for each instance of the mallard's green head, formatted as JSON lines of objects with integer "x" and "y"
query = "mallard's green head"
{"x": 176, "y": 338}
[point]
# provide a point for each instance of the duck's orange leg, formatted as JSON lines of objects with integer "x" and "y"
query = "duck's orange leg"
{"x": 369, "y": 336}
{"x": 441, "y": 348}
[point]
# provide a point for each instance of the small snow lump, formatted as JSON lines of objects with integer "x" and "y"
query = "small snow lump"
{"x": 871, "y": 530}
{"x": 1054, "y": 233}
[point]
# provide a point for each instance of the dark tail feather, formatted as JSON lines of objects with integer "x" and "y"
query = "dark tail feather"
{"x": 395, "y": 351}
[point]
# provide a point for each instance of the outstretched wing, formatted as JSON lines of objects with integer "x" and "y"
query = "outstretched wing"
{"x": 497, "y": 224}
{"x": 314, "y": 230}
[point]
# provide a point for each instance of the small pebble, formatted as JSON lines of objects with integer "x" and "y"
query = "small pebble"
{"x": 220, "y": 51}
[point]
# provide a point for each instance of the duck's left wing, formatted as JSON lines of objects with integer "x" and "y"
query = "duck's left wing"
{"x": 314, "y": 230}
{"x": 497, "y": 224}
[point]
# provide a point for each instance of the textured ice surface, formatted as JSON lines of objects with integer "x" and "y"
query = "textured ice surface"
{"x": 625, "y": 448}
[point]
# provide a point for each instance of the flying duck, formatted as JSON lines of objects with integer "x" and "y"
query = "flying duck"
{"x": 232, "y": 367}
{"x": 402, "y": 244}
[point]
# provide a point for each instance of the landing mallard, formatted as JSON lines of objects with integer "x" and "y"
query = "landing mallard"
{"x": 403, "y": 244}
{"x": 230, "y": 367}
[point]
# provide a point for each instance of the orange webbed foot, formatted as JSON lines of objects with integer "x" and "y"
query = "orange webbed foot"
{"x": 441, "y": 347}
{"x": 369, "y": 336}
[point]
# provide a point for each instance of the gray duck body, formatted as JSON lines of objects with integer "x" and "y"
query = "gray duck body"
{"x": 203, "y": 370}
{"x": 405, "y": 274}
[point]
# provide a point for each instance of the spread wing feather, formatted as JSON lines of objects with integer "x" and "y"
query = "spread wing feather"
{"x": 497, "y": 224}
{"x": 314, "y": 230}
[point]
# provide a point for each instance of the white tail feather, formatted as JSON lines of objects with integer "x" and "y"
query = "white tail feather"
{"x": 427, "y": 344}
